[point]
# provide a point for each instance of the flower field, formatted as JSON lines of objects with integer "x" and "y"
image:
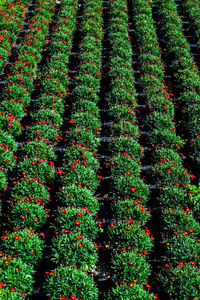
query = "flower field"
{"x": 99, "y": 149}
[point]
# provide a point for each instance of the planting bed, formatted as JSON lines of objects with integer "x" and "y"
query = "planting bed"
{"x": 99, "y": 149}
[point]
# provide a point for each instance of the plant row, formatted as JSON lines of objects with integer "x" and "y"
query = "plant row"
{"x": 19, "y": 85}
{"x": 12, "y": 20}
{"x": 192, "y": 10}
{"x": 185, "y": 74}
{"x": 128, "y": 235}
{"x": 73, "y": 249}
{"x": 31, "y": 192}
{"x": 171, "y": 178}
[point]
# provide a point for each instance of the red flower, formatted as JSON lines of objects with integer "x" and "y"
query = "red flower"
{"x": 73, "y": 297}
{"x": 77, "y": 222}
{"x": 16, "y": 237}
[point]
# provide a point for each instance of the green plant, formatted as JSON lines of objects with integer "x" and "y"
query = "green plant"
{"x": 16, "y": 277}
{"x": 73, "y": 249}
{"x": 78, "y": 220}
{"x": 77, "y": 196}
{"x": 128, "y": 266}
{"x": 23, "y": 243}
{"x": 129, "y": 291}
{"x": 67, "y": 282}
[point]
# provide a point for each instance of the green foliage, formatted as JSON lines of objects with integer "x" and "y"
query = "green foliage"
{"x": 16, "y": 276}
{"x": 73, "y": 249}
{"x": 65, "y": 281}
{"x": 128, "y": 266}
{"x": 24, "y": 243}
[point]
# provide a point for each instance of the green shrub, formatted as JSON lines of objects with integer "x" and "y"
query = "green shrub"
{"x": 87, "y": 120}
{"x": 126, "y": 144}
{"x": 24, "y": 214}
{"x": 79, "y": 173}
{"x": 182, "y": 281}
{"x": 16, "y": 276}
{"x": 130, "y": 186}
{"x": 38, "y": 149}
{"x": 10, "y": 124}
{"x": 47, "y": 132}
{"x": 182, "y": 247}
{"x": 173, "y": 197}
{"x": 84, "y": 137}
{"x": 128, "y": 266}
{"x": 129, "y": 234}
{"x": 179, "y": 220}
{"x": 85, "y": 105}
{"x": 67, "y": 282}
{"x": 79, "y": 154}
{"x": 47, "y": 101}
{"x": 23, "y": 243}
{"x": 129, "y": 209}
{"x": 77, "y": 196}
{"x": 124, "y": 128}
{"x": 33, "y": 190}
{"x": 122, "y": 164}
{"x": 77, "y": 220}
{"x": 122, "y": 112}
{"x": 32, "y": 167}
{"x": 129, "y": 291}
{"x": 14, "y": 108}
{"x": 73, "y": 249}
{"x": 48, "y": 115}
{"x": 3, "y": 180}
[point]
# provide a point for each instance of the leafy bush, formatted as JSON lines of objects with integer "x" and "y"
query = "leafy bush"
{"x": 24, "y": 214}
{"x": 67, "y": 282}
{"x": 130, "y": 186}
{"x": 79, "y": 154}
{"x": 179, "y": 220}
{"x": 77, "y": 196}
{"x": 73, "y": 249}
{"x": 182, "y": 281}
{"x": 33, "y": 190}
{"x": 16, "y": 277}
{"x": 126, "y": 144}
{"x": 129, "y": 291}
{"x": 131, "y": 210}
{"x": 77, "y": 220}
{"x": 129, "y": 234}
{"x": 128, "y": 266}
{"x": 122, "y": 164}
{"x": 23, "y": 243}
